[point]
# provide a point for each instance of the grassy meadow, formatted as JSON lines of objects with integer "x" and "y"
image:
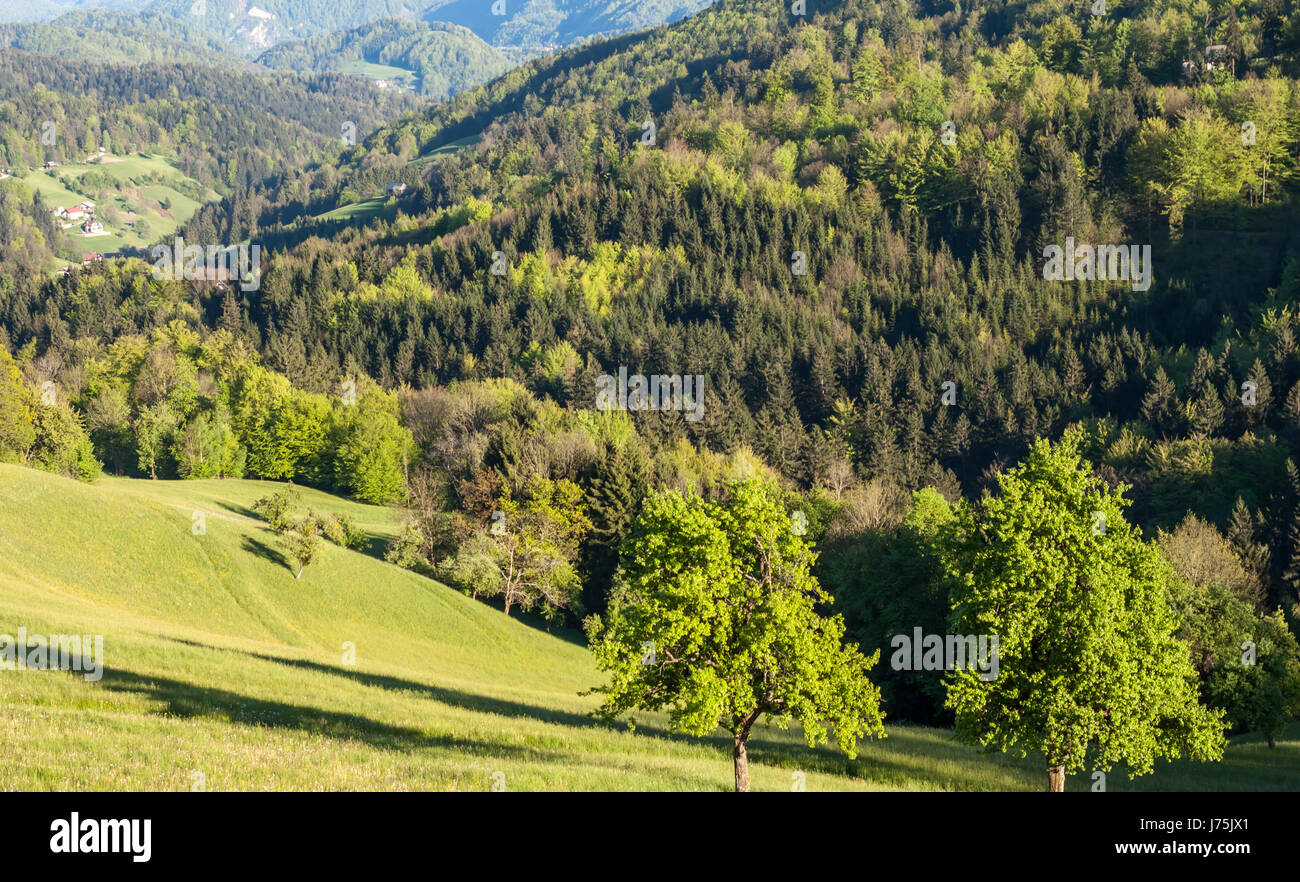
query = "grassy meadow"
{"x": 223, "y": 672}
{"x": 399, "y": 76}
{"x": 136, "y": 188}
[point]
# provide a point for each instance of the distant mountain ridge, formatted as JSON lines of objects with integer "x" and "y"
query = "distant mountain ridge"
{"x": 47, "y": 10}
{"x": 534, "y": 27}
{"x": 527, "y": 29}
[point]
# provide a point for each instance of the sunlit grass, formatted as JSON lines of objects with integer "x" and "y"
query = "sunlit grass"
{"x": 223, "y": 671}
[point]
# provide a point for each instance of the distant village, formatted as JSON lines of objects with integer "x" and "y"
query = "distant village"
{"x": 83, "y": 215}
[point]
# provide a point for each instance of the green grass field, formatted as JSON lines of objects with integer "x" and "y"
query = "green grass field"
{"x": 448, "y": 149}
{"x": 364, "y": 210}
{"x": 377, "y": 206}
{"x": 399, "y": 76}
{"x": 218, "y": 664}
{"x": 137, "y": 186}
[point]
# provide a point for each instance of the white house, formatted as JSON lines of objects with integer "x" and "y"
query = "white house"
{"x": 397, "y": 189}
{"x": 92, "y": 228}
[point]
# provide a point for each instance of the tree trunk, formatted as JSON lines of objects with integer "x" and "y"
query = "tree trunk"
{"x": 298, "y": 575}
{"x": 1272, "y": 741}
{"x": 1056, "y": 779}
{"x": 741, "y": 755}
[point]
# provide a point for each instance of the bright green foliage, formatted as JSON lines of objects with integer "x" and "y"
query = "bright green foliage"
{"x": 275, "y": 508}
{"x": 373, "y": 451}
{"x": 301, "y": 541}
{"x": 476, "y": 566}
{"x": 527, "y": 555}
{"x": 61, "y": 444}
{"x": 715, "y": 620}
{"x": 153, "y": 431}
{"x": 282, "y": 428}
{"x": 16, "y": 404}
{"x": 1091, "y": 673}
{"x": 351, "y": 535}
{"x": 206, "y": 448}
{"x": 406, "y": 549}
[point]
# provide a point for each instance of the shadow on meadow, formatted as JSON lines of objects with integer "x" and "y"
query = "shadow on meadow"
{"x": 796, "y": 756}
{"x": 266, "y": 552}
{"x": 187, "y": 700}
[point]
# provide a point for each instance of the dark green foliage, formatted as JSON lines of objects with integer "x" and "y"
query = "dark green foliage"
{"x": 889, "y": 583}
{"x": 613, "y": 500}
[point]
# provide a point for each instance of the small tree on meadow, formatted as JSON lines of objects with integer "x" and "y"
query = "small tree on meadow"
{"x": 302, "y": 541}
{"x": 714, "y": 619}
{"x": 276, "y": 507}
{"x": 1090, "y": 669}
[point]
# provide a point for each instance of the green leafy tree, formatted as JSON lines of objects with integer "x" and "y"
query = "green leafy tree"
{"x": 715, "y": 620}
{"x": 108, "y": 419}
{"x": 276, "y": 507}
{"x": 407, "y": 549}
{"x": 154, "y": 426}
{"x": 373, "y": 451}
{"x": 476, "y": 566}
{"x": 532, "y": 544}
{"x": 868, "y": 72}
{"x": 61, "y": 444}
{"x": 17, "y": 432}
{"x": 301, "y": 541}
{"x": 1249, "y": 663}
{"x": 205, "y": 448}
{"x": 1089, "y": 667}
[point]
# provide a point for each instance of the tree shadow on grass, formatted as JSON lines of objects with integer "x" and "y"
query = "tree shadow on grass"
{"x": 793, "y": 755}
{"x": 190, "y": 701}
{"x": 441, "y": 694}
{"x": 242, "y": 510}
{"x": 266, "y": 552}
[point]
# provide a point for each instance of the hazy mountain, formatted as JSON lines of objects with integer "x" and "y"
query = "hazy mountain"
{"x": 46, "y": 10}
{"x": 527, "y": 27}
{"x": 532, "y": 27}
{"x": 101, "y": 35}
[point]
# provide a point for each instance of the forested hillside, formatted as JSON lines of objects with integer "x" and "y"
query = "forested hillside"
{"x": 202, "y": 119}
{"x": 99, "y": 36}
{"x": 844, "y": 223}
{"x": 444, "y": 59}
{"x": 206, "y": 116}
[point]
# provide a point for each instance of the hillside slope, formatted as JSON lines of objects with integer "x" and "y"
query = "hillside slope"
{"x": 217, "y": 661}
{"x": 223, "y": 672}
{"x": 438, "y": 60}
